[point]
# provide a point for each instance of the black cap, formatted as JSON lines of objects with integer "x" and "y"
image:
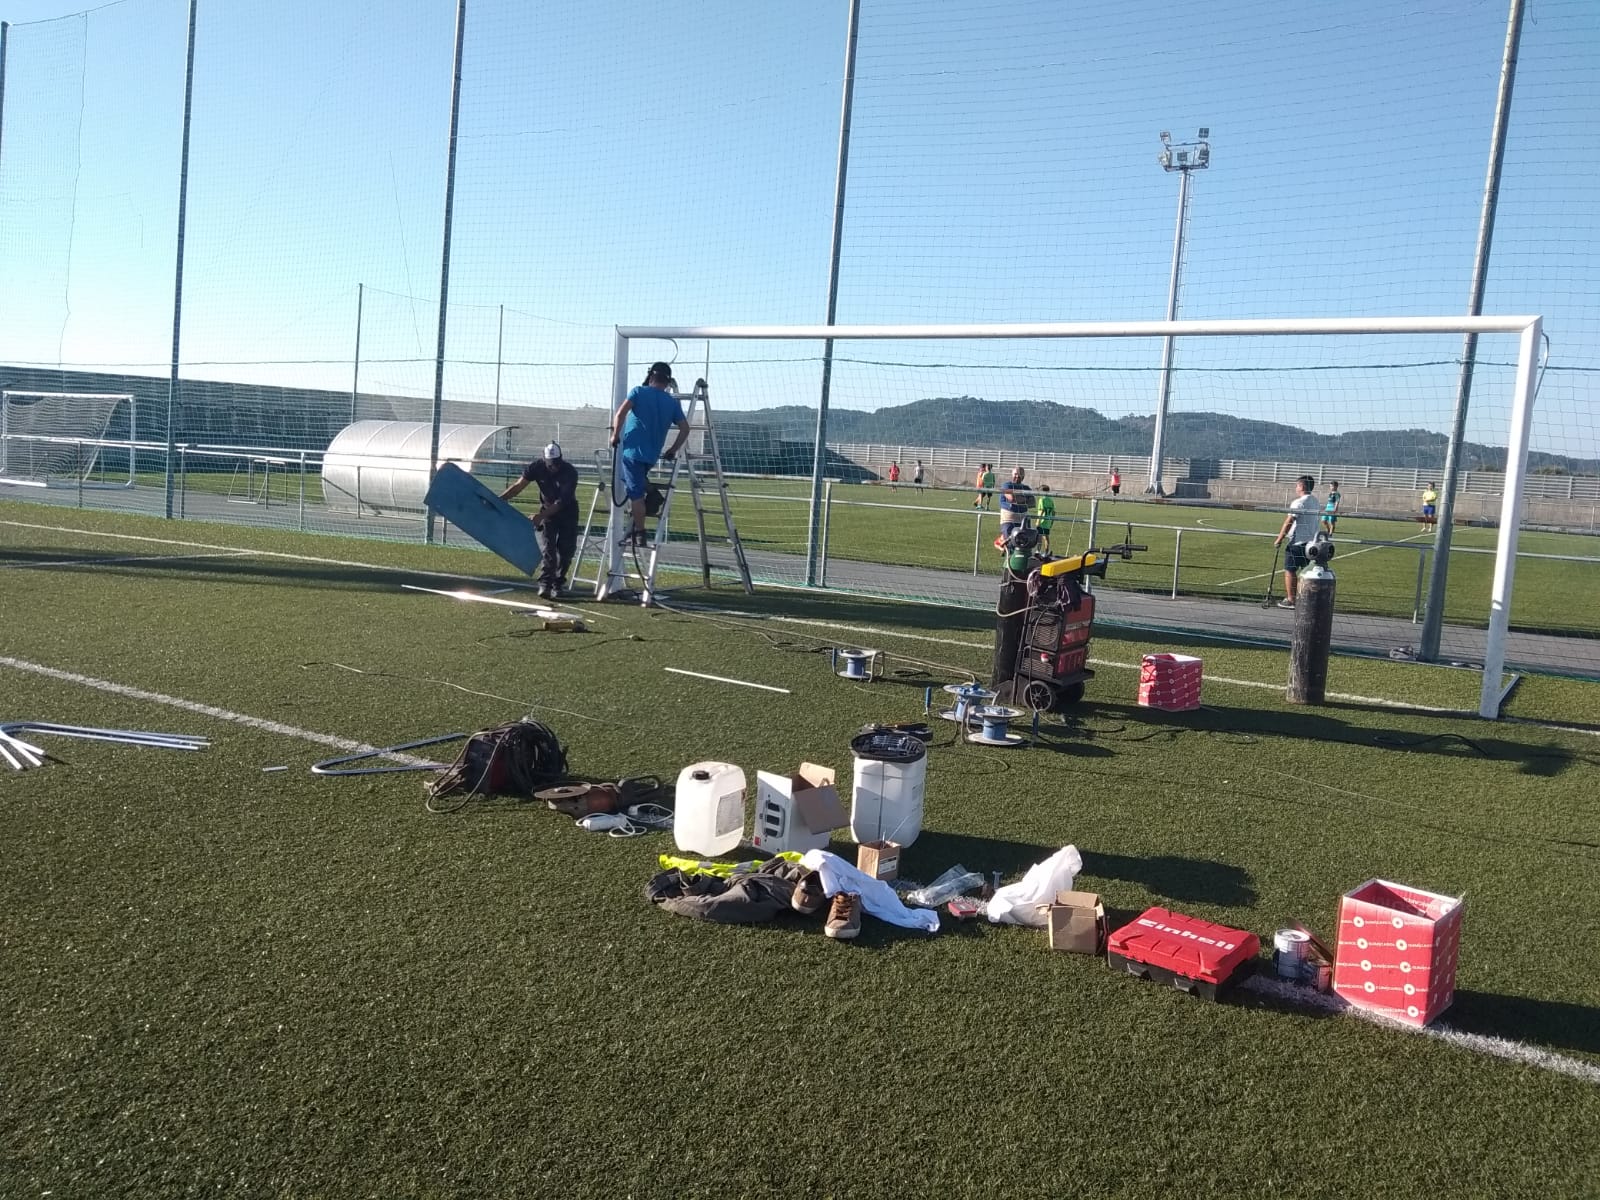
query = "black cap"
{"x": 660, "y": 370}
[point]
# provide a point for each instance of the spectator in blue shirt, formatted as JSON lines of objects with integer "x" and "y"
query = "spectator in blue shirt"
{"x": 1016, "y": 498}
{"x": 638, "y": 432}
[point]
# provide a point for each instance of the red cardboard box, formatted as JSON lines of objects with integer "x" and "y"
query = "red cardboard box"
{"x": 1170, "y": 681}
{"x": 1397, "y": 950}
{"x": 1195, "y": 956}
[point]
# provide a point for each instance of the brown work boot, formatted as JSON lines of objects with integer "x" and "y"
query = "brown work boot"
{"x": 808, "y": 894}
{"x": 844, "y": 918}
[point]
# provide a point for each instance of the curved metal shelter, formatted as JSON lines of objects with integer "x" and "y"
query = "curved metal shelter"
{"x": 382, "y": 466}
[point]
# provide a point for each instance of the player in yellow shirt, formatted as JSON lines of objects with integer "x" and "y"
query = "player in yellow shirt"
{"x": 1430, "y": 501}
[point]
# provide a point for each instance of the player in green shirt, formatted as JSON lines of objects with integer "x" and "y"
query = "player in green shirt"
{"x": 1047, "y": 517}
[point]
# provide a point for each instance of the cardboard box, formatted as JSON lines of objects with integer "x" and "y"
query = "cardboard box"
{"x": 1397, "y": 950}
{"x": 1170, "y": 681}
{"x": 1077, "y": 922}
{"x": 881, "y": 860}
{"x": 798, "y": 811}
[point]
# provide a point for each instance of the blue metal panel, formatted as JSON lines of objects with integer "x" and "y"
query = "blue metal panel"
{"x": 467, "y": 504}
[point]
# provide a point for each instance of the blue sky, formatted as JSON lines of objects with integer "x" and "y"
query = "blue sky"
{"x": 622, "y": 162}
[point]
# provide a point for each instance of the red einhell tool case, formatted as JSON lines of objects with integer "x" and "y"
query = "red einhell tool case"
{"x": 1194, "y": 956}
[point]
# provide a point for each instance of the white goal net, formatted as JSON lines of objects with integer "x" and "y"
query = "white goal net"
{"x": 68, "y": 437}
{"x": 919, "y": 415}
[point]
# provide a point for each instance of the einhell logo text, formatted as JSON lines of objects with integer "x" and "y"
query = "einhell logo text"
{"x": 1188, "y": 934}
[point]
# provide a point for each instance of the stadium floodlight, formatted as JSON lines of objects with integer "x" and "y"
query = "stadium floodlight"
{"x": 1182, "y": 158}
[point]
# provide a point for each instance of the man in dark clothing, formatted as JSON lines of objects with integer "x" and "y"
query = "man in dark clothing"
{"x": 1016, "y": 498}
{"x": 557, "y": 518}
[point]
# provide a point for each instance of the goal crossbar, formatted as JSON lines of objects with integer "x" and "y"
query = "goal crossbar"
{"x": 1528, "y": 328}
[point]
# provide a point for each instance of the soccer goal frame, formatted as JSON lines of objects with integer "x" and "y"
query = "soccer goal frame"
{"x": 48, "y": 453}
{"x": 1527, "y": 328}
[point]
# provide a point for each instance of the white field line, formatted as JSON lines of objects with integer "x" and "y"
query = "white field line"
{"x": 241, "y": 551}
{"x": 104, "y": 562}
{"x": 207, "y": 710}
{"x": 765, "y": 687}
{"x": 1522, "y": 1052}
{"x": 1121, "y": 666}
{"x": 1342, "y": 558}
{"x": 331, "y": 562}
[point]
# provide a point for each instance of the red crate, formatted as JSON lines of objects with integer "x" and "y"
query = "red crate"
{"x": 1196, "y": 956}
{"x": 1397, "y": 950}
{"x": 1170, "y": 681}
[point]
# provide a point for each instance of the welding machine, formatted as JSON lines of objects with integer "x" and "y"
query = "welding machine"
{"x": 1046, "y": 617}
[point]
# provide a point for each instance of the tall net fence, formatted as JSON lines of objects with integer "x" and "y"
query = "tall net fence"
{"x": 679, "y": 167}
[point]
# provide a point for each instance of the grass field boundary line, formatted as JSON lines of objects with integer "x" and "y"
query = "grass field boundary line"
{"x": 126, "y": 558}
{"x": 244, "y": 550}
{"x": 1346, "y": 697}
{"x": 1479, "y": 1043}
{"x": 207, "y": 710}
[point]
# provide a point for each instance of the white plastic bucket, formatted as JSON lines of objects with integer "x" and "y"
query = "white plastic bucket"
{"x": 709, "y": 817}
{"x": 886, "y": 795}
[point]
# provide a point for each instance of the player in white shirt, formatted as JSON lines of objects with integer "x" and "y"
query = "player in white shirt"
{"x": 1299, "y": 527}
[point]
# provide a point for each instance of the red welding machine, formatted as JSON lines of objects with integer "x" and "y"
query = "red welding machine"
{"x": 1194, "y": 956}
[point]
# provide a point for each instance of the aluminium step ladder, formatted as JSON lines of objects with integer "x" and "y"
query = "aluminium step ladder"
{"x": 701, "y": 461}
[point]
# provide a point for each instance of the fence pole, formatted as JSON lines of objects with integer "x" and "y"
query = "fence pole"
{"x": 78, "y": 468}
{"x": 1416, "y": 602}
{"x": 444, "y": 256}
{"x": 819, "y": 457}
{"x": 302, "y": 491}
{"x": 827, "y": 512}
{"x": 5, "y": 30}
{"x": 499, "y": 357}
{"x": 177, "y": 285}
{"x": 355, "y": 375}
{"x": 977, "y": 540}
{"x": 1433, "y": 619}
{"x": 1177, "y": 557}
{"x": 1094, "y": 521}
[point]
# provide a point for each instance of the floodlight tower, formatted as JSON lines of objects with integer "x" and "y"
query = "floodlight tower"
{"x": 1182, "y": 158}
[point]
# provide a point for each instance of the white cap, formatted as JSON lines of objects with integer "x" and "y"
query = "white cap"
{"x": 552, "y": 451}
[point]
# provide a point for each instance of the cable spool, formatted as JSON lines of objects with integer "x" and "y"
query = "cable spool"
{"x": 995, "y": 729}
{"x": 860, "y": 666}
{"x": 968, "y": 696}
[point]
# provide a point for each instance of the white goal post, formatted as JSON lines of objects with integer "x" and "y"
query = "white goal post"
{"x": 51, "y": 436}
{"x": 1527, "y": 328}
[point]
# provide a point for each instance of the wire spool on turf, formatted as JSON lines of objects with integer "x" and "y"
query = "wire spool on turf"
{"x": 968, "y": 695}
{"x": 993, "y": 721}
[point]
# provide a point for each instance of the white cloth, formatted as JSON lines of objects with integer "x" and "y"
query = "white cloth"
{"x": 1307, "y": 515}
{"x": 1019, "y": 903}
{"x": 877, "y": 897}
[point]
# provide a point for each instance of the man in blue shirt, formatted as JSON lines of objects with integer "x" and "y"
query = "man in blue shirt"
{"x": 638, "y": 432}
{"x": 1016, "y": 498}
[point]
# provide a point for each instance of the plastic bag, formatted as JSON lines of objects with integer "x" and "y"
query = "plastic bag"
{"x": 1019, "y": 903}
{"x": 948, "y": 886}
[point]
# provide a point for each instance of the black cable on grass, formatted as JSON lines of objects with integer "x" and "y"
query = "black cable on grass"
{"x": 1478, "y": 835}
{"x": 526, "y": 704}
{"x": 578, "y": 643}
{"x": 821, "y": 646}
{"x": 1413, "y": 743}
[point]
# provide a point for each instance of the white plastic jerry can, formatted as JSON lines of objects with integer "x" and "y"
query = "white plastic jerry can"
{"x": 709, "y": 816}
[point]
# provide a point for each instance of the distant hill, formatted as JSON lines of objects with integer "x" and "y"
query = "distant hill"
{"x": 967, "y": 421}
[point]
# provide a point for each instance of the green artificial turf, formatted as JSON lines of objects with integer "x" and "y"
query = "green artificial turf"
{"x": 227, "y": 982}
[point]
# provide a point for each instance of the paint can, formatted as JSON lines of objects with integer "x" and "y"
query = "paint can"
{"x": 1289, "y": 954}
